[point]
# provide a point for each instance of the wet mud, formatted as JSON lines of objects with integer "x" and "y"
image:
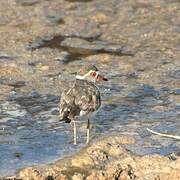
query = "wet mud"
{"x": 42, "y": 46}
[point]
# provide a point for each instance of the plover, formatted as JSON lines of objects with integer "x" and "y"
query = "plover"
{"x": 82, "y": 98}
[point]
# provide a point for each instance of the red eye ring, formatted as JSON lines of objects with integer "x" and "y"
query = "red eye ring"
{"x": 93, "y": 74}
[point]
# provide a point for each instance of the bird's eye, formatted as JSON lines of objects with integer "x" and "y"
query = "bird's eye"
{"x": 93, "y": 74}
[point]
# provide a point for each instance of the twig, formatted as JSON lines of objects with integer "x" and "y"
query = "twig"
{"x": 165, "y": 135}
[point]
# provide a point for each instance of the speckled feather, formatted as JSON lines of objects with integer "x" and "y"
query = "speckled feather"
{"x": 83, "y": 96}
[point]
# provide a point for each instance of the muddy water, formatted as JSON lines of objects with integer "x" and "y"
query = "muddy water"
{"x": 43, "y": 44}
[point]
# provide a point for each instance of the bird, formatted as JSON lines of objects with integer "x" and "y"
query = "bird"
{"x": 82, "y": 99}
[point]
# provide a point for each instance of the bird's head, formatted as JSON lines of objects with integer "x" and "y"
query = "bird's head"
{"x": 90, "y": 73}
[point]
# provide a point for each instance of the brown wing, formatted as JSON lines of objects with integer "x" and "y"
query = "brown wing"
{"x": 87, "y": 98}
{"x": 65, "y": 106}
{"x": 81, "y": 97}
{"x": 96, "y": 99}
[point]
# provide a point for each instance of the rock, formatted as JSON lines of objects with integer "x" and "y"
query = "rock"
{"x": 98, "y": 155}
{"x": 114, "y": 170}
{"x": 82, "y": 162}
{"x": 101, "y": 160}
{"x": 78, "y": 176}
{"x": 96, "y": 176}
{"x": 30, "y": 173}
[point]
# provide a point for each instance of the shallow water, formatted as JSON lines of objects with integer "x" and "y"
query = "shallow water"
{"x": 31, "y": 133}
{"x": 136, "y": 44}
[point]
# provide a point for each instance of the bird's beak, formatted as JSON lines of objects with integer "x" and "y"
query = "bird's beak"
{"x": 101, "y": 78}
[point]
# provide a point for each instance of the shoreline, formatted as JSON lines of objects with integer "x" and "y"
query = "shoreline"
{"x": 106, "y": 159}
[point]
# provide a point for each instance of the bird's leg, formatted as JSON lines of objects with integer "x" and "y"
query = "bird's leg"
{"x": 88, "y": 131}
{"x": 75, "y": 132}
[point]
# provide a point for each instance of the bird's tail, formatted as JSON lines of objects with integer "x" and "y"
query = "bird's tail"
{"x": 66, "y": 119}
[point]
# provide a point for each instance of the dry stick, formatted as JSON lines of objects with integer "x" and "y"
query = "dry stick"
{"x": 165, "y": 135}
